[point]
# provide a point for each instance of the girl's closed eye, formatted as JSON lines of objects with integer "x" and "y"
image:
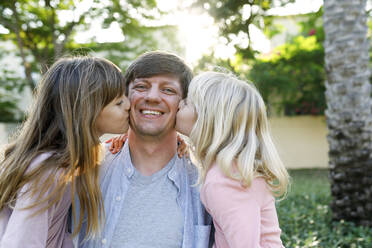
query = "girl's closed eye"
{"x": 119, "y": 103}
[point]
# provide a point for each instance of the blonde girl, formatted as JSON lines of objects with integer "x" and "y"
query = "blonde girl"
{"x": 240, "y": 169}
{"x": 57, "y": 154}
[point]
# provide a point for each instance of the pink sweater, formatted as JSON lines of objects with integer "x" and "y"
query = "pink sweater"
{"x": 49, "y": 229}
{"x": 243, "y": 217}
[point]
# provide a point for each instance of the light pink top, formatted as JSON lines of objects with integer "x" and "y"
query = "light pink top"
{"x": 243, "y": 217}
{"x": 48, "y": 229}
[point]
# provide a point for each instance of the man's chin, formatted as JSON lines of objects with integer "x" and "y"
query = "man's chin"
{"x": 148, "y": 132}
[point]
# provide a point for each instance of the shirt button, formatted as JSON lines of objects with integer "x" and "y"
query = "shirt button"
{"x": 129, "y": 170}
{"x": 118, "y": 198}
{"x": 104, "y": 241}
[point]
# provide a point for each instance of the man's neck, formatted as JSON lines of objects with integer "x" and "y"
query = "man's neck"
{"x": 151, "y": 155}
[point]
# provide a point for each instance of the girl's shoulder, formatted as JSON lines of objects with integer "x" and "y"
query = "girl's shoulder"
{"x": 216, "y": 179}
{"x": 37, "y": 162}
{"x": 40, "y": 158}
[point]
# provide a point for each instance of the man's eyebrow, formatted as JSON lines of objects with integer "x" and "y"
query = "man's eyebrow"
{"x": 147, "y": 81}
{"x": 140, "y": 80}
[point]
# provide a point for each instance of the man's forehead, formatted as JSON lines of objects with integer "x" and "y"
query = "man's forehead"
{"x": 163, "y": 78}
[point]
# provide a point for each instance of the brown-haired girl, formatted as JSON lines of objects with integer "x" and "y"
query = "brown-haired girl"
{"x": 57, "y": 154}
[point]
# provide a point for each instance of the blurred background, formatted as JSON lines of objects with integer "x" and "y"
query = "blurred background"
{"x": 276, "y": 44}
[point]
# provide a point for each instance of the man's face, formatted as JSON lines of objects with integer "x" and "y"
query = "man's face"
{"x": 154, "y": 104}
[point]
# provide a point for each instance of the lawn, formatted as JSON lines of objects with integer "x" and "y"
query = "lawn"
{"x": 305, "y": 217}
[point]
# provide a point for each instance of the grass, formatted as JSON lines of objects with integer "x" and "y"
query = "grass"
{"x": 306, "y": 219}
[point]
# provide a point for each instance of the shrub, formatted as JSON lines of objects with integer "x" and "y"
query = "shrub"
{"x": 306, "y": 219}
{"x": 291, "y": 78}
{"x": 10, "y": 87}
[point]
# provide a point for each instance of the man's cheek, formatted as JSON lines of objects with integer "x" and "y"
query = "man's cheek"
{"x": 130, "y": 96}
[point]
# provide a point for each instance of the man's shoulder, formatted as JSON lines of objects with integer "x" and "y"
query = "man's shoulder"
{"x": 189, "y": 168}
{"x": 110, "y": 157}
{"x": 110, "y": 160}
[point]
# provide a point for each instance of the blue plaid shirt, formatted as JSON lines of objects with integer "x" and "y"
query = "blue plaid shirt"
{"x": 115, "y": 172}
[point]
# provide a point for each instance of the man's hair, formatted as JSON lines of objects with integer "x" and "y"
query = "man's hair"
{"x": 156, "y": 63}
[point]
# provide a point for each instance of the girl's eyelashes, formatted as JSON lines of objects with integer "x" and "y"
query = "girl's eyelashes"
{"x": 119, "y": 103}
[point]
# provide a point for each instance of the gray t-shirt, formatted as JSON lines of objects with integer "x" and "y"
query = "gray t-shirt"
{"x": 150, "y": 216}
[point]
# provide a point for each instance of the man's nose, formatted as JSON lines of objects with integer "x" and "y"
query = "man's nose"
{"x": 153, "y": 94}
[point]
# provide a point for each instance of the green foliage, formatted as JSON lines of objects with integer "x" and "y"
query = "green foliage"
{"x": 305, "y": 217}
{"x": 10, "y": 85}
{"x": 42, "y": 34}
{"x": 44, "y": 30}
{"x": 313, "y": 25}
{"x": 235, "y": 16}
{"x": 8, "y": 108}
{"x": 211, "y": 63}
{"x": 37, "y": 31}
{"x": 291, "y": 79}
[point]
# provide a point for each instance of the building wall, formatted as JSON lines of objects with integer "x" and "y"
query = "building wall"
{"x": 301, "y": 141}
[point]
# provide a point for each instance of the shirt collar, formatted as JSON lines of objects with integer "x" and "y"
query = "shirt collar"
{"x": 174, "y": 173}
{"x": 127, "y": 166}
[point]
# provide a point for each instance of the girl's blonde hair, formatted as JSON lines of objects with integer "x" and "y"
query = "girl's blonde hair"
{"x": 62, "y": 121}
{"x": 232, "y": 129}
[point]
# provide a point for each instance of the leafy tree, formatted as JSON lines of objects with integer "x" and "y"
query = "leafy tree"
{"x": 291, "y": 79}
{"x": 349, "y": 109}
{"x": 234, "y": 18}
{"x": 35, "y": 28}
{"x": 10, "y": 85}
{"x": 211, "y": 63}
{"x": 39, "y": 33}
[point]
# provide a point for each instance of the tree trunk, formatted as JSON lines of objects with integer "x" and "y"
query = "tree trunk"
{"x": 349, "y": 109}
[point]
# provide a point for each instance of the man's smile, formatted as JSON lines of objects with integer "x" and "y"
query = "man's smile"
{"x": 151, "y": 112}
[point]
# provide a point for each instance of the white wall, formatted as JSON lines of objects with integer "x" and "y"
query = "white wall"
{"x": 301, "y": 141}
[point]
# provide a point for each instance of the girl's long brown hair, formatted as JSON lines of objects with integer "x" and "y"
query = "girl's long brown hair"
{"x": 62, "y": 121}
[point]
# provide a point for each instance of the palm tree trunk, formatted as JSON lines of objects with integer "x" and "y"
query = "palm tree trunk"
{"x": 349, "y": 109}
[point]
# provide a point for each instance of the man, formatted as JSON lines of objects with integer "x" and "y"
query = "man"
{"x": 149, "y": 195}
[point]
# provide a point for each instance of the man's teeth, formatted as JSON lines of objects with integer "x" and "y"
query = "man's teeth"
{"x": 150, "y": 112}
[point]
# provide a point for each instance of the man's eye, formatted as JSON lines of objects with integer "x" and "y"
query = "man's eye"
{"x": 169, "y": 90}
{"x": 140, "y": 86}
